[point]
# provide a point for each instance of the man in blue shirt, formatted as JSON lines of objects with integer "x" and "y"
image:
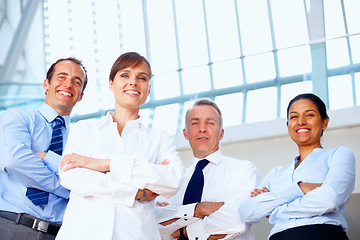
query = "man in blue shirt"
{"x": 26, "y": 161}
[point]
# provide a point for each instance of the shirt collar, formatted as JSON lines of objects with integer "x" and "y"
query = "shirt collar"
{"x": 215, "y": 157}
{"x": 50, "y": 114}
{"x": 108, "y": 119}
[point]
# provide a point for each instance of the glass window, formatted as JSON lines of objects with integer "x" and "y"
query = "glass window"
{"x": 231, "y": 106}
{"x": 355, "y": 48}
{"x": 357, "y": 88}
{"x": 352, "y": 8}
{"x": 334, "y": 21}
{"x": 191, "y": 28}
{"x": 261, "y": 105}
{"x": 254, "y": 26}
{"x": 340, "y": 86}
{"x": 196, "y": 79}
{"x": 223, "y": 34}
{"x": 162, "y": 36}
{"x": 166, "y": 118}
{"x": 337, "y": 53}
{"x": 166, "y": 85}
{"x": 293, "y": 61}
{"x": 227, "y": 73}
{"x": 289, "y": 91}
{"x": 289, "y": 23}
{"x": 259, "y": 67}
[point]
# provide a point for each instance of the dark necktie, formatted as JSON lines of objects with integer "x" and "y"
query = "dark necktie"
{"x": 36, "y": 196}
{"x": 195, "y": 186}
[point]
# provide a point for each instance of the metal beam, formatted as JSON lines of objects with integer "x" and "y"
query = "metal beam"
{"x": 18, "y": 41}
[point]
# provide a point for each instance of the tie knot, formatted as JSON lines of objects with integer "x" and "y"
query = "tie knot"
{"x": 59, "y": 121}
{"x": 201, "y": 164}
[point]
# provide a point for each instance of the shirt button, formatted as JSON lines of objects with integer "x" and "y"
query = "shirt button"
{"x": 196, "y": 238}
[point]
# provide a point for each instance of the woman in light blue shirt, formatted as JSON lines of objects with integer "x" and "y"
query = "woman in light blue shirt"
{"x": 305, "y": 199}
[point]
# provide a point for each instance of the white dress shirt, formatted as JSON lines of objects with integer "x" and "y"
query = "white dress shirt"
{"x": 103, "y": 205}
{"x": 226, "y": 180}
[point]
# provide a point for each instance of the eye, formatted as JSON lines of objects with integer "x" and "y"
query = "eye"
{"x": 194, "y": 123}
{"x": 293, "y": 117}
{"x": 124, "y": 75}
{"x": 78, "y": 82}
{"x": 310, "y": 115}
{"x": 143, "y": 78}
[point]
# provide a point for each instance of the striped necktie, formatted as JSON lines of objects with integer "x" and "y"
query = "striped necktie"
{"x": 196, "y": 184}
{"x": 36, "y": 196}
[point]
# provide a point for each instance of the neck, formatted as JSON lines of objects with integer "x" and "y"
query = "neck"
{"x": 306, "y": 150}
{"x": 122, "y": 116}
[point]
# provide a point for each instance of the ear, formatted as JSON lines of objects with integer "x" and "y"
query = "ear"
{"x": 185, "y": 134}
{"x": 221, "y": 134}
{"x": 81, "y": 96}
{"x": 46, "y": 85}
{"x": 111, "y": 85}
{"x": 149, "y": 90}
{"x": 325, "y": 123}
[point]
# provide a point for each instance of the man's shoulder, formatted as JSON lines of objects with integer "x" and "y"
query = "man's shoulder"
{"x": 19, "y": 113}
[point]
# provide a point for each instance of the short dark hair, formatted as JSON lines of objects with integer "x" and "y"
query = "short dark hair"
{"x": 125, "y": 60}
{"x": 51, "y": 70}
{"x": 208, "y": 102}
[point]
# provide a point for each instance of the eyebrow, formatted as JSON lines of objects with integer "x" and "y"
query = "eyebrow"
{"x": 308, "y": 110}
{"x": 209, "y": 118}
{"x": 65, "y": 73}
{"x": 127, "y": 71}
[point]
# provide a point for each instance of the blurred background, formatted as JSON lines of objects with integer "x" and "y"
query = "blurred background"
{"x": 251, "y": 57}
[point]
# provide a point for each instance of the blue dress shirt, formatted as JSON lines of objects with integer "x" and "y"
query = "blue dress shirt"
{"x": 287, "y": 205}
{"x": 23, "y": 133}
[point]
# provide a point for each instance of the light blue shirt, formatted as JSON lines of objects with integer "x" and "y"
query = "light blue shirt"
{"x": 23, "y": 133}
{"x": 287, "y": 205}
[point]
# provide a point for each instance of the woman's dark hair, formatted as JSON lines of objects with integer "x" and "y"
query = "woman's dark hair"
{"x": 320, "y": 105}
{"x": 129, "y": 59}
{"x": 51, "y": 70}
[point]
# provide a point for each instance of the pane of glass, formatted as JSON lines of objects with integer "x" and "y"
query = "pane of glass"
{"x": 289, "y": 91}
{"x": 196, "y": 80}
{"x": 231, "y": 107}
{"x": 355, "y": 48}
{"x": 191, "y": 30}
{"x": 254, "y": 26}
{"x": 227, "y": 74}
{"x": 224, "y": 42}
{"x": 293, "y": 61}
{"x": 132, "y": 27}
{"x": 261, "y": 105}
{"x": 357, "y": 88}
{"x": 165, "y": 118}
{"x": 352, "y": 8}
{"x": 162, "y": 36}
{"x": 187, "y": 105}
{"x": 166, "y": 85}
{"x": 145, "y": 116}
{"x": 334, "y": 22}
{"x": 59, "y": 36}
{"x": 340, "y": 92}
{"x": 337, "y": 53}
{"x": 289, "y": 22}
{"x": 259, "y": 67}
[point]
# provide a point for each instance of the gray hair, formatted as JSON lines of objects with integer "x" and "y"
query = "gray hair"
{"x": 207, "y": 102}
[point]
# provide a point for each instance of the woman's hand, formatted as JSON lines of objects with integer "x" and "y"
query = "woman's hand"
{"x": 73, "y": 160}
{"x": 258, "y": 191}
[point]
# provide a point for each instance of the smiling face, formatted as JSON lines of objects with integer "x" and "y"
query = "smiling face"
{"x": 64, "y": 89}
{"x": 131, "y": 86}
{"x": 203, "y": 130}
{"x": 305, "y": 124}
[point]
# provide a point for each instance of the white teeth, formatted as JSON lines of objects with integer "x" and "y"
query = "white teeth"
{"x": 64, "y": 93}
{"x": 303, "y": 130}
{"x": 132, "y": 92}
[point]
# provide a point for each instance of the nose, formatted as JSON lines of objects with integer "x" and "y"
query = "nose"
{"x": 202, "y": 127}
{"x": 301, "y": 120}
{"x": 133, "y": 81}
{"x": 68, "y": 82}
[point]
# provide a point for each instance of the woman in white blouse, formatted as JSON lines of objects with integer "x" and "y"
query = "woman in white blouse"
{"x": 115, "y": 166}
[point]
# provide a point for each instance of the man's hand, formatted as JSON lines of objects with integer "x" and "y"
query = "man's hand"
{"x": 258, "y": 191}
{"x": 148, "y": 197}
{"x": 161, "y": 204}
{"x": 203, "y": 209}
{"x": 307, "y": 187}
{"x": 73, "y": 160}
{"x": 168, "y": 222}
{"x": 41, "y": 155}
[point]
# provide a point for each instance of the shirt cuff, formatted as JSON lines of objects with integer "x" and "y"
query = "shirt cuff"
{"x": 52, "y": 161}
{"x": 195, "y": 231}
{"x": 185, "y": 213}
